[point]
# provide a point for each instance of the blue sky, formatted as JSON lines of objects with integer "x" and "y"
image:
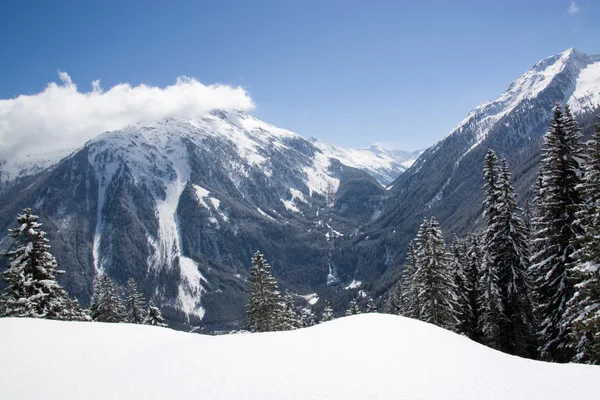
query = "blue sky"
{"x": 348, "y": 72}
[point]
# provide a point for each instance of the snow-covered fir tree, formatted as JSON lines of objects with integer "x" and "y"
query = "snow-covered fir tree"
{"x": 289, "y": 318}
{"x": 409, "y": 296}
{"x": 458, "y": 262}
{"x": 370, "y": 305}
{"x": 434, "y": 279}
{"x": 32, "y": 289}
{"x": 265, "y": 308}
{"x": 134, "y": 303}
{"x": 469, "y": 324}
{"x": 327, "y": 314}
{"x": 154, "y": 316}
{"x": 556, "y": 232}
{"x": 583, "y": 309}
{"x": 353, "y": 308}
{"x": 307, "y": 317}
{"x": 490, "y": 301}
{"x": 107, "y": 305}
{"x": 511, "y": 244}
{"x": 394, "y": 303}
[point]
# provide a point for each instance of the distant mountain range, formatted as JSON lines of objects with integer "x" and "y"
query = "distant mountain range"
{"x": 181, "y": 205}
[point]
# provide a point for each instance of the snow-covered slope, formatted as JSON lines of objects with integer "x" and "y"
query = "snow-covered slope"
{"x": 385, "y": 165}
{"x": 30, "y": 164}
{"x": 370, "y": 356}
{"x": 582, "y": 92}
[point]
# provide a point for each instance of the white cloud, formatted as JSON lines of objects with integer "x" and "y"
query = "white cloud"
{"x": 62, "y": 117}
{"x": 573, "y": 8}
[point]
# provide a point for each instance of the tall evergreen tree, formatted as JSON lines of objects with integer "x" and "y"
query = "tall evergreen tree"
{"x": 410, "y": 292}
{"x": 134, "y": 303}
{"x": 458, "y": 265}
{"x": 511, "y": 244}
{"x": 474, "y": 260}
{"x": 434, "y": 281}
{"x": 583, "y": 309}
{"x": 265, "y": 308}
{"x": 154, "y": 316}
{"x": 556, "y": 232}
{"x": 353, "y": 308}
{"x": 371, "y": 307}
{"x": 395, "y": 303}
{"x": 327, "y": 313}
{"x": 107, "y": 305}
{"x": 289, "y": 318}
{"x": 33, "y": 290}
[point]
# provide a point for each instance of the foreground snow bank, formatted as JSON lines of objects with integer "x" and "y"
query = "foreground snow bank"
{"x": 369, "y": 356}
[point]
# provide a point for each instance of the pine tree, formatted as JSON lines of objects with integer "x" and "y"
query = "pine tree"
{"x": 583, "y": 309}
{"x": 265, "y": 309}
{"x": 511, "y": 244}
{"x": 395, "y": 303}
{"x": 434, "y": 280}
{"x": 556, "y": 232}
{"x": 327, "y": 313}
{"x": 353, "y": 308}
{"x": 410, "y": 292}
{"x": 107, "y": 305}
{"x": 33, "y": 290}
{"x": 371, "y": 307}
{"x": 134, "y": 304}
{"x": 154, "y": 316}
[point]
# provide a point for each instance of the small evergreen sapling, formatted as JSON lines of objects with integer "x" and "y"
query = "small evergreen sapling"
{"x": 154, "y": 316}
{"x": 107, "y": 305}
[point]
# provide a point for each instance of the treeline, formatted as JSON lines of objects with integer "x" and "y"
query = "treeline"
{"x": 269, "y": 310}
{"x": 528, "y": 284}
{"x": 33, "y": 291}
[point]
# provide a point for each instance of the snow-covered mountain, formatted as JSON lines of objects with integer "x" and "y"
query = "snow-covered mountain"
{"x": 446, "y": 180}
{"x": 385, "y": 165}
{"x": 368, "y": 356}
{"x": 181, "y": 205}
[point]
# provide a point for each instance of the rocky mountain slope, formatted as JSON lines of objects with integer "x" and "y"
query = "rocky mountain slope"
{"x": 446, "y": 180}
{"x": 181, "y": 205}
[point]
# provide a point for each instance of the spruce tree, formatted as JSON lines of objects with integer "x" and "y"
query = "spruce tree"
{"x": 107, "y": 305}
{"x": 556, "y": 232}
{"x": 474, "y": 259}
{"x": 327, "y": 313}
{"x": 395, "y": 303}
{"x": 134, "y": 303}
{"x": 434, "y": 281}
{"x": 409, "y": 295}
{"x": 458, "y": 265}
{"x": 33, "y": 290}
{"x": 265, "y": 308}
{"x": 289, "y": 319}
{"x": 353, "y": 308}
{"x": 371, "y": 307}
{"x": 154, "y": 316}
{"x": 583, "y": 309}
{"x": 307, "y": 317}
{"x": 517, "y": 327}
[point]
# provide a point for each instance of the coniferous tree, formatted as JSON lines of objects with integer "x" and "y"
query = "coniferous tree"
{"x": 474, "y": 259}
{"x": 327, "y": 313}
{"x": 371, "y": 307}
{"x": 434, "y": 280}
{"x": 107, "y": 305}
{"x": 394, "y": 302}
{"x": 353, "y": 308}
{"x": 307, "y": 317}
{"x": 33, "y": 290}
{"x": 556, "y": 232}
{"x": 458, "y": 263}
{"x": 410, "y": 292}
{"x": 134, "y": 304}
{"x": 265, "y": 308}
{"x": 583, "y": 309}
{"x": 154, "y": 316}
{"x": 511, "y": 244}
{"x": 289, "y": 319}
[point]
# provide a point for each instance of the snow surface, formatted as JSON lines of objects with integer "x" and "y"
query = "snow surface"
{"x": 368, "y": 356}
